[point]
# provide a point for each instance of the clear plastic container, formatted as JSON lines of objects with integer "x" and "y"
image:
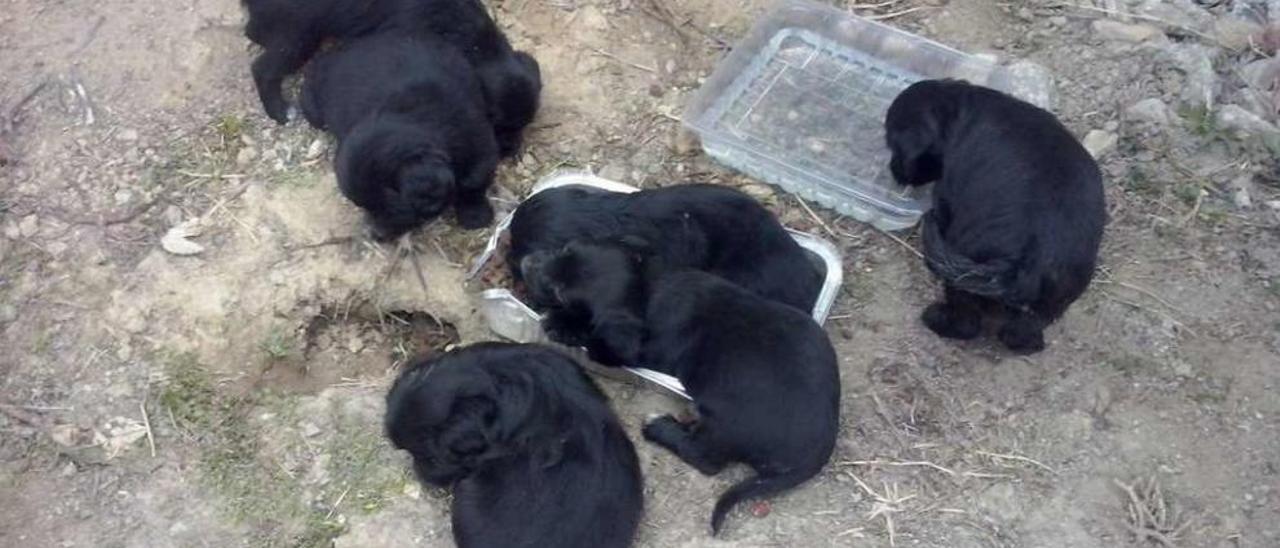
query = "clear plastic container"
{"x": 511, "y": 319}
{"x": 800, "y": 103}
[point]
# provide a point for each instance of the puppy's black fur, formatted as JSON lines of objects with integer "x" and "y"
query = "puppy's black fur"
{"x": 412, "y": 133}
{"x": 534, "y": 454}
{"x": 712, "y": 228}
{"x": 1018, "y": 208}
{"x": 291, "y": 31}
{"x": 762, "y": 375}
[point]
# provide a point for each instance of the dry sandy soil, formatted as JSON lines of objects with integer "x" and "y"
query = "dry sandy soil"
{"x": 233, "y": 398}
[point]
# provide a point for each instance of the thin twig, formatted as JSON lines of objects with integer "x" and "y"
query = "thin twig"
{"x": 1019, "y": 458}
{"x": 11, "y": 121}
{"x": 334, "y": 240}
{"x": 604, "y": 53}
{"x": 337, "y": 503}
{"x": 1160, "y": 313}
{"x": 22, "y": 416}
{"x": 902, "y": 243}
{"x": 146, "y": 421}
{"x": 1143, "y": 291}
{"x": 926, "y": 464}
{"x": 816, "y": 218}
{"x": 886, "y": 16}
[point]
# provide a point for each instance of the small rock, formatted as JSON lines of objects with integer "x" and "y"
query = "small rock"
{"x": 1057, "y": 20}
{"x": 11, "y": 231}
{"x": 1123, "y": 32}
{"x": 1150, "y": 110}
{"x": 1196, "y": 62}
{"x": 64, "y": 435}
{"x": 56, "y": 248}
{"x": 686, "y": 142}
{"x": 1182, "y": 368}
{"x": 123, "y": 196}
{"x": 315, "y": 149}
{"x": 355, "y": 344}
{"x": 1241, "y": 195}
{"x": 177, "y": 242}
{"x": 310, "y": 430}
{"x": 761, "y": 509}
{"x": 1244, "y": 123}
{"x": 246, "y": 156}
{"x": 413, "y": 490}
{"x": 29, "y": 225}
{"x": 1235, "y": 33}
{"x": 760, "y": 192}
{"x": 1274, "y": 205}
{"x": 1099, "y": 142}
{"x": 172, "y": 215}
{"x": 8, "y": 313}
{"x": 1262, "y": 74}
{"x": 69, "y": 469}
{"x": 128, "y": 135}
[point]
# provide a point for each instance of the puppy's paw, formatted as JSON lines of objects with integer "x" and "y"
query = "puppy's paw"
{"x": 475, "y": 215}
{"x": 663, "y": 430}
{"x": 1022, "y": 339}
{"x": 948, "y": 322}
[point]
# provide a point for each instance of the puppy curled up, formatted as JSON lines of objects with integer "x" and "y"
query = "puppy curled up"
{"x": 712, "y": 228}
{"x": 1018, "y": 207}
{"x": 413, "y": 137}
{"x": 762, "y": 375}
{"x": 292, "y": 31}
{"x": 529, "y": 445}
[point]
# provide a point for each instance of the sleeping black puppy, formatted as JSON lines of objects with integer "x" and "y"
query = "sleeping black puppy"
{"x": 412, "y": 134}
{"x": 762, "y": 375}
{"x": 712, "y": 228}
{"x": 291, "y": 31}
{"x": 1018, "y": 208}
{"x": 535, "y": 456}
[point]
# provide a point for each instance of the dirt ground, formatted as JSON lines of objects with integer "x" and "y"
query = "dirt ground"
{"x": 233, "y": 397}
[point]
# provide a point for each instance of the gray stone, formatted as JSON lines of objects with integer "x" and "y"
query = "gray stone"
{"x": 1196, "y": 62}
{"x": 123, "y": 196}
{"x": 1099, "y": 143}
{"x": 8, "y": 313}
{"x": 29, "y": 226}
{"x": 1182, "y": 13}
{"x": 1244, "y": 123}
{"x": 1150, "y": 110}
{"x": 1235, "y": 33}
{"x": 246, "y": 156}
{"x": 1241, "y": 193}
{"x": 128, "y": 135}
{"x": 1124, "y": 32}
{"x": 1262, "y": 74}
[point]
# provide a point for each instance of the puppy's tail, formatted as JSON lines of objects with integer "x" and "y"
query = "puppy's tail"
{"x": 759, "y": 486}
{"x": 988, "y": 278}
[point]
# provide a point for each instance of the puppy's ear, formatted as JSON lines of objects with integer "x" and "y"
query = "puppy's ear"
{"x": 618, "y": 338}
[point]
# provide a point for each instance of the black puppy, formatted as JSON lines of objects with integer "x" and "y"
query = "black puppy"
{"x": 534, "y": 454}
{"x": 711, "y": 228}
{"x": 762, "y": 375}
{"x": 291, "y": 31}
{"x": 412, "y": 133}
{"x": 1018, "y": 208}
